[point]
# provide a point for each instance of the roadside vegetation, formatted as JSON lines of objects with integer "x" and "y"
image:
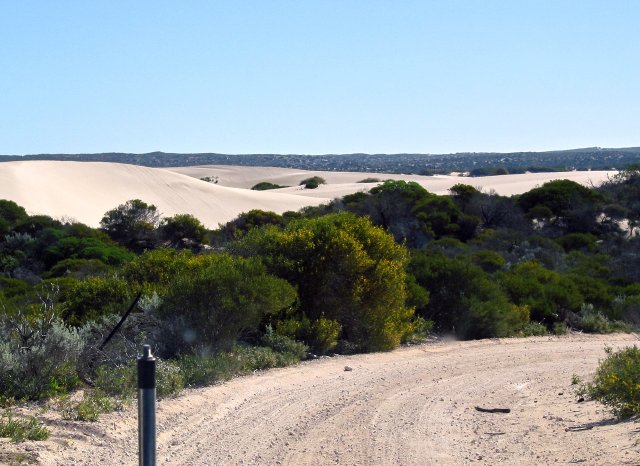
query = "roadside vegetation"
{"x": 364, "y": 273}
{"x": 616, "y": 382}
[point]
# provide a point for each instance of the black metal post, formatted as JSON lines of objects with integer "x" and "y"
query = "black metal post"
{"x": 147, "y": 408}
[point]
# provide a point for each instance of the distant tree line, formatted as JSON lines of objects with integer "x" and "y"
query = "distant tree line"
{"x": 476, "y": 163}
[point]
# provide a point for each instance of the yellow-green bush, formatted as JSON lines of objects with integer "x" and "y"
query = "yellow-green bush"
{"x": 616, "y": 382}
{"x": 345, "y": 269}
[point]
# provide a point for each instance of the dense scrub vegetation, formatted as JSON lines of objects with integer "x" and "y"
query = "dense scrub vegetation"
{"x": 363, "y": 273}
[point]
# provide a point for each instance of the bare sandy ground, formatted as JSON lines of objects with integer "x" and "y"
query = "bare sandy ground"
{"x": 413, "y": 406}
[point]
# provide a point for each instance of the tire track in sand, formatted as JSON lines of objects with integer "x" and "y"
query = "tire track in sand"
{"x": 413, "y": 406}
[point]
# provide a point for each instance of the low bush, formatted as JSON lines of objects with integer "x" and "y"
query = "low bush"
{"x": 121, "y": 382}
{"x": 118, "y": 382}
{"x": 41, "y": 366}
{"x": 169, "y": 379}
{"x": 419, "y": 330}
{"x": 95, "y": 297}
{"x": 559, "y": 328}
{"x": 313, "y": 182}
{"x": 255, "y": 358}
{"x": 592, "y": 321}
{"x": 20, "y": 429}
{"x": 265, "y": 185}
{"x": 616, "y": 382}
{"x": 218, "y": 298}
{"x": 321, "y": 335}
{"x": 533, "y": 329}
{"x": 89, "y": 408}
{"x": 206, "y": 369}
{"x": 201, "y": 370}
{"x": 284, "y": 344}
{"x": 11, "y": 287}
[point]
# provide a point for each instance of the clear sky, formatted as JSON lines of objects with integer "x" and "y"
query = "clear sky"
{"x": 318, "y": 76}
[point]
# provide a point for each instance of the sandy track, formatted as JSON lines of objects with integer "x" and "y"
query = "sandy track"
{"x": 414, "y": 406}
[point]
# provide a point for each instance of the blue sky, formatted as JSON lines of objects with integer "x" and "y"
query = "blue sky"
{"x": 317, "y": 77}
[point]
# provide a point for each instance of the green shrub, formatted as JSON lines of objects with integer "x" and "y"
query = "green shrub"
{"x": 547, "y": 293}
{"x": 207, "y": 369}
{"x": 559, "y": 328}
{"x": 158, "y": 267}
{"x": 218, "y": 298}
{"x": 323, "y": 334}
{"x": 95, "y": 297}
{"x": 593, "y": 321}
{"x": 79, "y": 268}
{"x": 182, "y": 231}
{"x": 534, "y": 329}
{"x": 489, "y": 261}
{"x": 265, "y": 185}
{"x": 121, "y": 382}
{"x": 256, "y": 358}
{"x": 313, "y": 182}
{"x": 202, "y": 370}
{"x": 89, "y": 408}
{"x": 419, "y": 331}
{"x": 11, "y": 287}
{"x": 370, "y": 180}
{"x": 45, "y": 367}
{"x": 169, "y": 379}
{"x": 283, "y": 344}
{"x": 578, "y": 241}
{"x": 616, "y": 382}
{"x": 19, "y": 429}
{"x": 465, "y": 299}
{"x": 345, "y": 270}
{"x": 72, "y": 247}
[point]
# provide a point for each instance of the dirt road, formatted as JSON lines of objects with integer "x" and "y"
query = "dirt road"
{"x": 413, "y": 406}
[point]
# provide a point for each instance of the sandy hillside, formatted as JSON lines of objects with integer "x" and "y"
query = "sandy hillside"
{"x": 413, "y": 406}
{"x": 86, "y": 190}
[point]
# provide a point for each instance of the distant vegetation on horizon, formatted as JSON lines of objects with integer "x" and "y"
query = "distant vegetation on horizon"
{"x": 478, "y": 164}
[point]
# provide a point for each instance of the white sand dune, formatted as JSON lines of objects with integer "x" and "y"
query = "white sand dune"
{"x": 246, "y": 177}
{"x": 342, "y": 183}
{"x": 84, "y": 191}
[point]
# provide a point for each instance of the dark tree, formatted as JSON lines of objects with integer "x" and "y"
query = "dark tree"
{"x": 132, "y": 224}
{"x": 183, "y": 231}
